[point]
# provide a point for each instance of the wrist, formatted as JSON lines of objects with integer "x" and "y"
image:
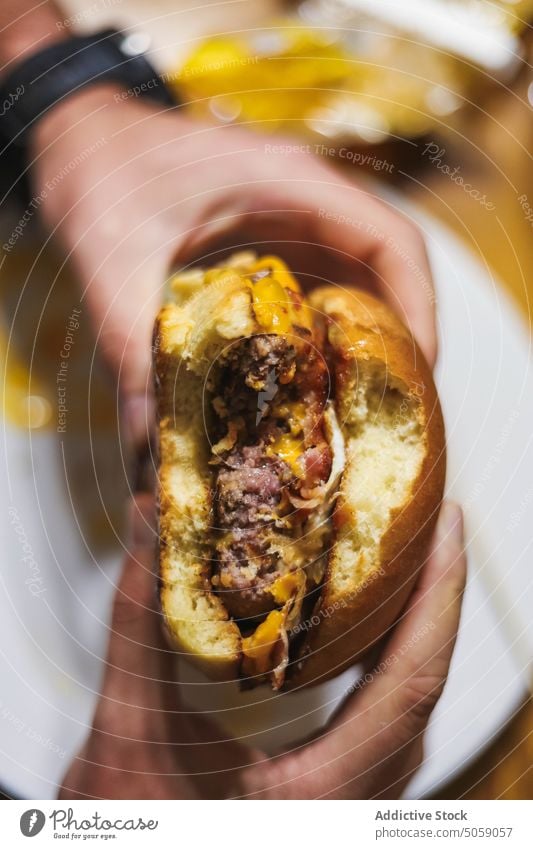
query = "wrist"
{"x": 65, "y": 83}
{"x": 72, "y": 111}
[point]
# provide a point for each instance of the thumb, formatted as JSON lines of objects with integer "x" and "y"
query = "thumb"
{"x": 414, "y": 665}
{"x": 123, "y": 311}
{"x": 375, "y": 742}
{"x": 137, "y": 653}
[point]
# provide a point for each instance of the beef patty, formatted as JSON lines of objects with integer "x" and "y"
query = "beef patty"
{"x": 253, "y": 484}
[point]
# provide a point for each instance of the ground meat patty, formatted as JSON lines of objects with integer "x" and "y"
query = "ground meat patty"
{"x": 247, "y": 490}
{"x": 250, "y": 480}
{"x": 256, "y": 358}
{"x": 245, "y": 572}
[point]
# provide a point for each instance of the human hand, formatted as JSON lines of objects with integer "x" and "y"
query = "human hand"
{"x": 142, "y": 746}
{"x": 131, "y": 189}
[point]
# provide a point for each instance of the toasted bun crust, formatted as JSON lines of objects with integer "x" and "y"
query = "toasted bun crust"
{"x": 390, "y": 493}
{"x": 187, "y": 340}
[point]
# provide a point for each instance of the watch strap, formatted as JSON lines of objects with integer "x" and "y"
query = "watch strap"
{"x": 47, "y": 77}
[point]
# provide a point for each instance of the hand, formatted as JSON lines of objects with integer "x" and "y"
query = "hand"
{"x": 142, "y": 747}
{"x": 130, "y": 189}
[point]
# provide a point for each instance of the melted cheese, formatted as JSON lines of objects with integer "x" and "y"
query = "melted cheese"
{"x": 271, "y": 305}
{"x": 259, "y": 646}
{"x": 275, "y": 310}
{"x": 289, "y": 446}
{"x": 277, "y": 269}
{"x": 289, "y": 449}
{"x": 294, "y": 413}
{"x": 286, "y": 586}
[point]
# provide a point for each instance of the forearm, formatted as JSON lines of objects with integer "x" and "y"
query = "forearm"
{"x": 28, "y": 25}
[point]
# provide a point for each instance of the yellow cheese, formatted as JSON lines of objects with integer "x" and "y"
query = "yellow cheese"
{"x": 275, "y": 310}
{"x": 271, "y": 305}
{"x": 289, "y": 449}
{"x": 285, "y": 587}
{"x": 294, "y": 413}
{"x": 260, "y": 645}
{"x": 277, "y": 269}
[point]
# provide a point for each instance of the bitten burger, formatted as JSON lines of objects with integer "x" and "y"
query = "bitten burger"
{"x": 301, "y": 469}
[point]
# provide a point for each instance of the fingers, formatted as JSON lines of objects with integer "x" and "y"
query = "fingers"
{"x": 134, "y": 621}
{"x": 422, "y": 643}
{"x": 104, "y": 219}
{"x": 123, "y": 315}
{"x": 138, "y": 660}
{"x": 374, "y": 744}
{"x": 393, "y": 248}
{"x": 369, "y": 233}
{"x": 129, "y": 750}
{"x": 403, "y": 269}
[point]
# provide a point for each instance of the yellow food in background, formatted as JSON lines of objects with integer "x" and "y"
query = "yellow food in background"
{"x": 274, "y": 76}
{"x": 27, "y": 401}
{"x": 39, "y": 296}
{"x": 308, "y": 80}
{"x": 349, "y": 78}
{"x": 24, "y": 403}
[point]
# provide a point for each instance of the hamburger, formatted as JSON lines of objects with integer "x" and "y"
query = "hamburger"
{"x": 301, "y": 469}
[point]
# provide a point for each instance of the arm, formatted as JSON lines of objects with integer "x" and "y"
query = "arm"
{"x": 26, "y": 26}
{"x": 152, "y": 187}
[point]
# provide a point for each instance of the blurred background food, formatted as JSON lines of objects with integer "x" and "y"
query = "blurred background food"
{"x": 41, "y": 326}
{"x": 375, "y": 87}
{"x": 357, "y": 71}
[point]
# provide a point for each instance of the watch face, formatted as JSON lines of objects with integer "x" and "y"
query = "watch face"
{"x": 134, "y": 43}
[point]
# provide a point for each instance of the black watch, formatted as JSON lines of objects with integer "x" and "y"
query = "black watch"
{"x": 52, "y": 74}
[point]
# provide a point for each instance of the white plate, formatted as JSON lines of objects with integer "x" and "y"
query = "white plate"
{"x": 52, "y": 643}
